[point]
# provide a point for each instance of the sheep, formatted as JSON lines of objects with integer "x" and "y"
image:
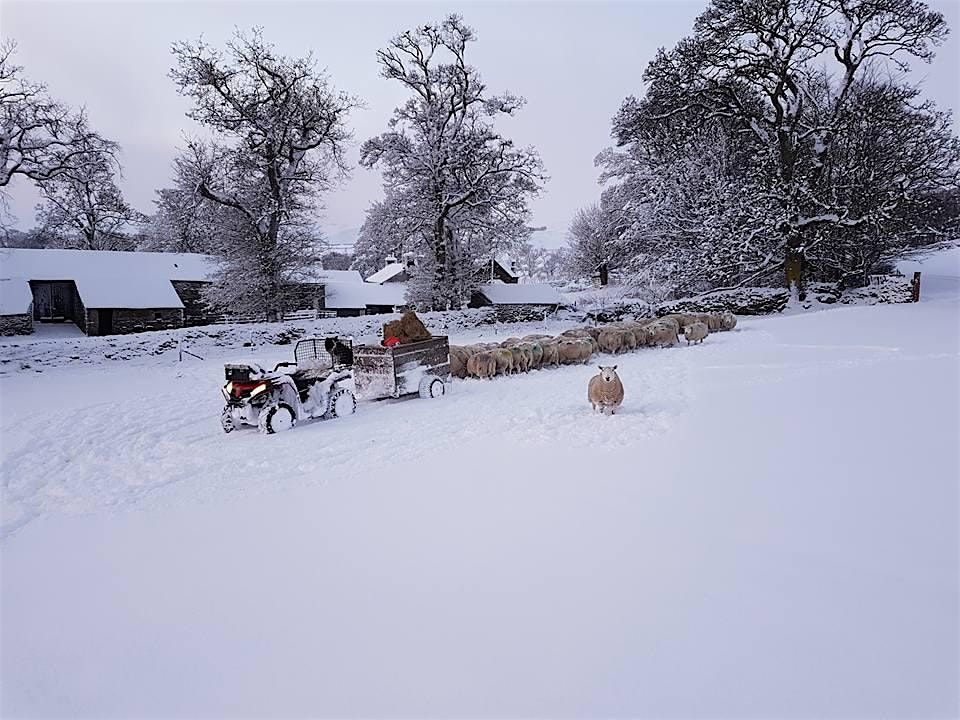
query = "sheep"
{"x": 458, "y": 361}
{"x": 695, "y": 332}
{"x": 728, "y": 321}
{"x": 536, "y": 354}
{"x": 510, "y": 342}
{"x": 668, "y": 320}
{"x": 682, "y": 319}
{"x": 712, "y": 321}
{"x": 605, "y": 390}
{"x": 629, "y": 338}
{"x": 520, "y": 363}
{"x": 662, "y": 333}
{"x": 551, "y": 353}
{"x": 482, "y": 365}
{"x": 611, "y": 341}
{"x": 504, "y": 359}
{"x": 574, "y": 350}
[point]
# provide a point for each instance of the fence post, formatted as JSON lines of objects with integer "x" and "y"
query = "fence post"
{"x": 915, "y": 287}
{"x": 179, "y": 350}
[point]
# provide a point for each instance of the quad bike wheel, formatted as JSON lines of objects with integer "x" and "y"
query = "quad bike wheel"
{"x": 432, "y": 387}
{"x": 277, "y": 418}
{"x": 342, "y": 403}
{"x": 226, "y": 421}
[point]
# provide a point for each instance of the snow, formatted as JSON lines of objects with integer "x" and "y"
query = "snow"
{"x": 768, "y": 528}
{"x": 15, "y": 297}
{"x": 127, "y": 291}
{"x": 340, "y": 295}
{"x": 109, "y": 279}
{"x": 519, "y": 294}
{"x": 338, "y": 276}
{"x": 384, "y": 274}
{"x": 97, "y": 264}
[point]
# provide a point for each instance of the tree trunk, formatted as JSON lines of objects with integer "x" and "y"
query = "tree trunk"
{"x": 795, "y": 262}
{"x": 438, "y": 299}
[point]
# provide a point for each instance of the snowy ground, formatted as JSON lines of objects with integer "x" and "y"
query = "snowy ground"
{"x": 769, "y": 528}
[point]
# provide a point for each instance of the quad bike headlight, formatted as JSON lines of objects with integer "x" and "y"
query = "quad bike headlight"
{"x": 258, "y": 389}
{"x": 229, "y": 388}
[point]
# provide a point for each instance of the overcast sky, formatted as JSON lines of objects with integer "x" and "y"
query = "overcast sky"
{"x": 574, "y": 63}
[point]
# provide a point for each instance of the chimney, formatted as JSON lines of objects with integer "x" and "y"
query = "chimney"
{"x": 390, "y": 259}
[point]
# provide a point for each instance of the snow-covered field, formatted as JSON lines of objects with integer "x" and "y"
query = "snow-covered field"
{"x": 768, "y": 528}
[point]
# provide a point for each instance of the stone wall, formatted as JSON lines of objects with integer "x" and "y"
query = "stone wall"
{"x": 195, "y": 310}
{"x": 132, "y": 321}
{"x": 303, "y": 296}
{"x": 16, "y": 324}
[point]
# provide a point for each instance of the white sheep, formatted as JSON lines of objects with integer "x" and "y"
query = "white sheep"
{"x": 605, "y": 391}
{"x": 695, "y": 332}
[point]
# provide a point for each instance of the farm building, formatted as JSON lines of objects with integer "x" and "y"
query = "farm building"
{"x": 394, "y": 271}
{"x": 516, "y": 297}
{"x": 106, "y": 293}
{"x": 16, "y": 308}
{"x": 499, "y": 269}
{"x": 363, "y": 298}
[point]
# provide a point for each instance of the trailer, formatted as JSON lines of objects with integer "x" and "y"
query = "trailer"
{"x": 421, "y": 368}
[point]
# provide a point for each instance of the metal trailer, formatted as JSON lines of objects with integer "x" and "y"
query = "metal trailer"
{"x": 392, "y": 372}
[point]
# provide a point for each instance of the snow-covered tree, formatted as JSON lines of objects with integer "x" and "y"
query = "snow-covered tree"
{"x": 39, "y": 137}
{"x": 282, "y": 132}
{"x": 448, "y": 174}
{"x": 183, "y": 220}
{"x": 754, "y": 71}
{"x": 390, "y": 229}
{"x": 592, "y": 241}
{"x": 82, "y": 204}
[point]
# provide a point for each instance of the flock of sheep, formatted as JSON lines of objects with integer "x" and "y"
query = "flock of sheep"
{"x": 578, "y": 345}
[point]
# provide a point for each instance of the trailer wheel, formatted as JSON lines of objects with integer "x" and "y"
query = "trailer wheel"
{"x": 276, "y": 418}
{"x": 342, "y": 403}
{"x": 432, "y": 388}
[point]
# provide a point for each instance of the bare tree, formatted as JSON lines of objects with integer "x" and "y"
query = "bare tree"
{"x": 83, "y": 206}
{"x": 283, "y": 130}
{"x": 39, "y": 137}
{"x": 463, "y": 185}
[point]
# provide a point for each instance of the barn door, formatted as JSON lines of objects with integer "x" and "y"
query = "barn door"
{"x": 58, "y": 303}
{"x": 105, "y": 322}
{"x": 41, "y": 301}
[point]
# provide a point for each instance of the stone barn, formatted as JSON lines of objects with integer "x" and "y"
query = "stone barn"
{"x": 517, "y": 302}
{"x": 107, "y": 293}
{"x": 16, "y": 308}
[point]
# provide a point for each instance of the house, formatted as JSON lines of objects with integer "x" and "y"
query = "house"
{"x": 500, "y": 268}
{"x": 394, "y": 271}
{"x": 515, "y": 296}
{"x": 363, "y": 298}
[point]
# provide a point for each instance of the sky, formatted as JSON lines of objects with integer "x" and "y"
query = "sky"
{"x": 574, "y": 62}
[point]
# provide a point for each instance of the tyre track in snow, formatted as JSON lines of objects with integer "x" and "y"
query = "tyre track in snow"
{"x": 169, "y": 447}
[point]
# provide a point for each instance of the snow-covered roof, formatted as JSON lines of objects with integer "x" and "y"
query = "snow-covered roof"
{"x": 109, "y": 279}
{"x": 318, "y": 275}
{"x": 520, "y": 294}
{"x": 507, "y": 264}
{"x": 15, "y": 297}
{"x": 384, "y": 274}
{"x": 350, "y": 295}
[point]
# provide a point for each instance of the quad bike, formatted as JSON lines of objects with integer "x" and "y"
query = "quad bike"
{"x": 319, "y": 384}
